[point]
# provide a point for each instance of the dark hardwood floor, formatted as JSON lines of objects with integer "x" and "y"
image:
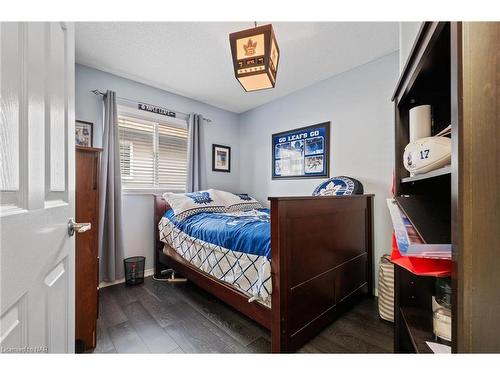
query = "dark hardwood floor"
{"x": 159, "y": 317}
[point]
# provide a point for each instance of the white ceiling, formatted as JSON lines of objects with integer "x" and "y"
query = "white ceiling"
{"x": 194, "y": 59}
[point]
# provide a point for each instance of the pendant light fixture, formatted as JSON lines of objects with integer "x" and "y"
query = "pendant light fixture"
{"x": 255, "y": 57}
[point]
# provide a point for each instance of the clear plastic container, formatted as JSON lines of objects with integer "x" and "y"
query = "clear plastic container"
{"x": 442, "y": 323}
{"x": 443, "y": 292}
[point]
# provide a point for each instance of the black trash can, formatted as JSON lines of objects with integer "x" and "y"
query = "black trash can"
{"x": 134, "y": 270}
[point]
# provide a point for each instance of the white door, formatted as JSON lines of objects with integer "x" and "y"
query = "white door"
{"x": 37, "y": 186}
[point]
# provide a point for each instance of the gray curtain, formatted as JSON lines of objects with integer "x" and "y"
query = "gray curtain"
{"x": 196, "y": 168}
{"x": 110, "y": 196}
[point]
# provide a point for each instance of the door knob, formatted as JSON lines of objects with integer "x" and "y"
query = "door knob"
{"x": 78, "y": 227}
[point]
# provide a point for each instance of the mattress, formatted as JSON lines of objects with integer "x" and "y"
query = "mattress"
{"x": 232, "y": 247}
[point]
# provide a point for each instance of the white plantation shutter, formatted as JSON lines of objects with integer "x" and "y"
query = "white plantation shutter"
{"x": 152, "y": 154}
{"x": 172, "y": 158}
{"x": 136, "y": 152}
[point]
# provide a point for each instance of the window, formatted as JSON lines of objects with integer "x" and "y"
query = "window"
{"x": 126, "y": 155}
{"x": 153, "y": 155}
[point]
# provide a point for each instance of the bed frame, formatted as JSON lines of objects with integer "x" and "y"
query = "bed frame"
{"x": 322, "y": 262}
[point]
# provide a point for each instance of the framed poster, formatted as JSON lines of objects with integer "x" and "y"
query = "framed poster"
{"x": 221, "y": 158}
{"x": 83, "y": 133}
{"x": 302, "y": 153}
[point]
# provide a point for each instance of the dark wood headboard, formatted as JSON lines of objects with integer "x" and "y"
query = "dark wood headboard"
{"x": 160, "y": 207}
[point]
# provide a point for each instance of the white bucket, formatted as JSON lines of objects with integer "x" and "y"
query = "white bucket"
{"x": 420, "y": 122}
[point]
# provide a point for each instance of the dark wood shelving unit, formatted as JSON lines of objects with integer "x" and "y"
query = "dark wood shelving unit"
{"x": 424, "y": 176}
{"x": 453, "y": 66}
{"x": 413, "y": 312}
{"x": 418, "y": 323}
{"x": 425, "y": 212}
{"x": 425, "y": 199}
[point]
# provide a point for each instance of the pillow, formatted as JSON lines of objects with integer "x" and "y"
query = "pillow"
{"x": 237, "y": 202}
{"x": 340, "y": 185}
{"x": 188, "y": 204}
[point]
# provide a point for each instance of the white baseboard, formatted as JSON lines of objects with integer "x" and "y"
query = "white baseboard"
{"x": 104, "y": 284}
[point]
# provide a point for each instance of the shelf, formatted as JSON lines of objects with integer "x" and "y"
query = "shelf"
{"x": 427, "y": 73}
{"x": 426, "y": 199}
{"x": 419, "y": 325}
{"x": 430, "y": 216}
{"x": 424, "y": 176}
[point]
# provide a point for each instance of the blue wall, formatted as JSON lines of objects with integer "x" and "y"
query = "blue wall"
{"x": 358, "y": 105}
{"x": 356, "y": 102}
{"x": 222, "y": 130}
{"x": 138, "y": 208}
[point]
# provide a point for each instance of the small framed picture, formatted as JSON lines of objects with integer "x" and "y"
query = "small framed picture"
{"x": 221, "y": 158}
{"x": 83, "y": 133}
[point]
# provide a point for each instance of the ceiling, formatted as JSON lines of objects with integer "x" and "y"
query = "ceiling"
{"x": 193, "y": 59}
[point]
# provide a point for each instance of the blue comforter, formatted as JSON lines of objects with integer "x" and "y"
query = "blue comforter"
{"x": 248, "y": 232}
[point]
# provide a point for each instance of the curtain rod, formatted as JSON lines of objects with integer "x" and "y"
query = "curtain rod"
{"x": 97, "y": 92}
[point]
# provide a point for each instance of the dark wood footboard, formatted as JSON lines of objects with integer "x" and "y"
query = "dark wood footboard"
{"x": 322, "y": 257}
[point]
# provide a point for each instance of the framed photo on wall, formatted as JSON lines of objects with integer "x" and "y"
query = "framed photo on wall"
{"x": 302, "y": 152}
{"x": 83, "y": 133}
{"x": 221, "y": 158}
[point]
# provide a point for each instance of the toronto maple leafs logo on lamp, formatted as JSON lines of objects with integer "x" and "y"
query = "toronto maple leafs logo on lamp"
{"x": 250, "y": 48}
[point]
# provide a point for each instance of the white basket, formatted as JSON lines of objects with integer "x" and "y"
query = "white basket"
{"x": 386, "y": 289}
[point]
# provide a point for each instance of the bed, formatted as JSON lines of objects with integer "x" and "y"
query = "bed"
{"x": 318, "y": 259}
